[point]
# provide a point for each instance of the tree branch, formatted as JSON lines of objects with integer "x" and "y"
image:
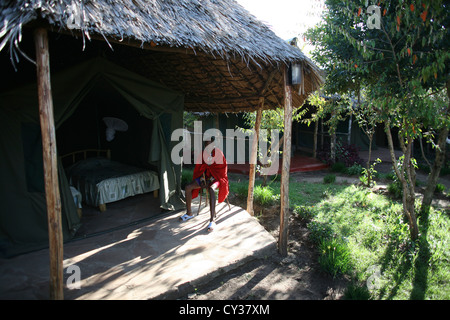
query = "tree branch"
{"x": 393, "y": 53}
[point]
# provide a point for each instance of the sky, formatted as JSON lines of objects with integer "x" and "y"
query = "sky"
{"x": 287, "y": 18}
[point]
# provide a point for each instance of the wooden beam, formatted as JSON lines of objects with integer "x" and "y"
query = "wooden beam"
{"x": 50, "y": 164}
{"x": 210, "y": 100}
{"x": 268, "y": 82}
{"x": 286, "y": 165}
{"x": 254, "y": 158}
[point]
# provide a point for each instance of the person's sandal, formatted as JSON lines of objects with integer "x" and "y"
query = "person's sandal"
{"x": 211, "y": 226}
{"x": 186, "y": 217}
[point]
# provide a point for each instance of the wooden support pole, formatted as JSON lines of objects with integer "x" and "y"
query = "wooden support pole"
{"x": 217, "y": 120}
{"x": 50, "y": 164}
{"x": 284, "y": 214}
{"x": 254, "y": 158}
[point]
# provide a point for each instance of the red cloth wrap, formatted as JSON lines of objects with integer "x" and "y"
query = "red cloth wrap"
{"x": 217, "y": 170}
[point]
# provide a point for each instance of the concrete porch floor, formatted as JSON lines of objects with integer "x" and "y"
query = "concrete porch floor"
{"x": 159, "y": 259}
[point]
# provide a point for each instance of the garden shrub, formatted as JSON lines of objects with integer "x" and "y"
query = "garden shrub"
{"x": 440, "y": 188}
{"x": 329, "y": 178}
{"x": 339, "y": 167}
{"x": 334, "y": 256}
{"x": 395, "y": 189}
{"x": 303, "y": 212}
{"x": 264, "y": 195}
{"x": 345, "y": 153}
{"x": 355, "y": 170}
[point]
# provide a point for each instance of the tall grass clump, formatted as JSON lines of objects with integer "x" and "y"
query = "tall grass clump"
{"x": 334, "y": 256}
{"x": 329, "y": 178}
{"x": 265, "y": 196}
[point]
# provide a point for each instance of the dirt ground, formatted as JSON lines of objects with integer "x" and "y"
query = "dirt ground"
{"x": 295, "y": 277}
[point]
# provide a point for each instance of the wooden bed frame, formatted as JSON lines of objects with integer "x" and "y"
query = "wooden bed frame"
{"x": 87, "y": 153}
{"x": 83, "y": 154}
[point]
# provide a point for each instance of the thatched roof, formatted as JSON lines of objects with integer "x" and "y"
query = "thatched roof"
{"x": 214, "y": 51}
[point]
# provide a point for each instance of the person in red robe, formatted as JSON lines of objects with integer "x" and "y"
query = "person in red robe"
{"x": 210, "y": 172}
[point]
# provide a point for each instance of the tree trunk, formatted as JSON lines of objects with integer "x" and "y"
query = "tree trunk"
{"x": 333, "y": 147}
{"x": 369, "y": 173}
{"x": 438, "y": 162}
{"x": 407, "y": 183}
{"x": 316, "y": 129}
{"x": 409, "y": 188}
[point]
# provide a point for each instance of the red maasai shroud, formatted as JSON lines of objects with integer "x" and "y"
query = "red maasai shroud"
{"x": 217, "y": 170}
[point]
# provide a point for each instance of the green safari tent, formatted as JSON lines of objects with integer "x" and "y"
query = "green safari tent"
{"x": 23, "y": 211}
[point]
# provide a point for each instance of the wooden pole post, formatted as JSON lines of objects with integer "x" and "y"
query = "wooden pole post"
{"x": 254, "y": 158}
{"x": 284, "y": 214}
{"x": 217, "y": 120}
{"x": 50, "y": 164}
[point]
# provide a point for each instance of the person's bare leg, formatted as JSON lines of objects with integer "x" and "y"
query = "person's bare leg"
{"x": 188, "y": 194}
{"x": 212, "y": 203}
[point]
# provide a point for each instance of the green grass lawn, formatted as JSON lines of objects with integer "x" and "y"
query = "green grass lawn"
{"x": 364, "y": 235}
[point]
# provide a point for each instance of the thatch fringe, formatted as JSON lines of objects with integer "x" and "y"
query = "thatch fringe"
{"x": 221, "y": 28}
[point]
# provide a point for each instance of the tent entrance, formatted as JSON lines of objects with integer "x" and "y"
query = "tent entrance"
{"x": 85, "y": 129}
{"x": 81, "y": 96}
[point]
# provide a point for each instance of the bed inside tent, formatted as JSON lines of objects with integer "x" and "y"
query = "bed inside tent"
{"x": 104, "y": 149}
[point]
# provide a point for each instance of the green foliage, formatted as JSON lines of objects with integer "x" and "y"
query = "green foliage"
{"x": 356, "y": 291}
{"x": 303, "y": 212}
{"x": 273, "y": 119}
{"x": 317, "y": 100}
{"x": 334, "y": 256}
{"x": 239, "y": 188}
{"x": 189, "y": 118}
{"x": 339, "y": 167}
{"x": 403, "y": 64}
{"x": 319, "y": 230}
{"x": 186, "y": 177}
{"x": 357, "y": 231}
{"x": 344, "y": 153}
{"x": 265, "y": 195}
{"x": 369, "y": 230}
{"x": 351, "y": 52}
{"x": 355, "y": 170}
{"x": 395, "y": 189}
{"x": 367, "y": 175}
{"x": 440, "y": 188}
{"x": 329, "y": 178}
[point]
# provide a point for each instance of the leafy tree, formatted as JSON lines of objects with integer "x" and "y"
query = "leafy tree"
{"x": 270, "y": 120}
{"x": 318, "y": 101}
{"x": 367, "y": 118}
{"x": 399, "y": 50}
{"x": 273, "y": 119}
